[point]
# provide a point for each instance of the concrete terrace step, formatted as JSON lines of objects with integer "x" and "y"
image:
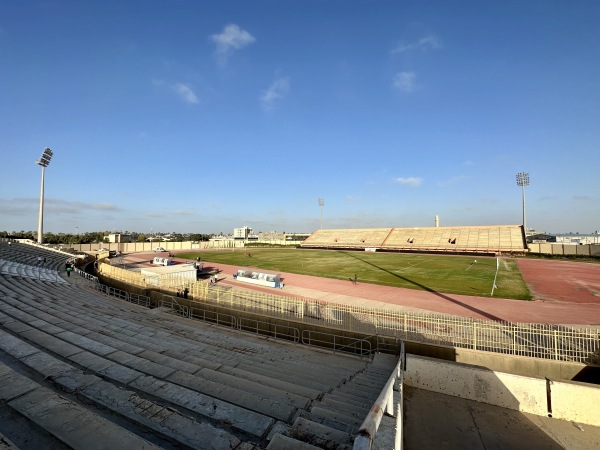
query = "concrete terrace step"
{"x": 354, "y": 409}
{"x": 69, "y": 422}
{"x": 6, "y": 443}
{"x": 167, "y": 422}
{"x": 137, "y": 366}
{"x": 286, "y": 386}
{"x": 17, "y": 269}
{"x": 253, "y": 402}
{"x": 347, "y": 406}
{"x": 320, "y": 435}
{"x": 282, "y": 442}
{"x": 335, "y": 419}
{"x": 72, "y": 379}
{"x": 207, "y": 373}
{"x": 158, "y": 348}
{"x": 68, "y": 344}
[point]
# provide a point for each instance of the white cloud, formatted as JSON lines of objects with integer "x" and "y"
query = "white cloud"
{"x": 232, "y": 38}
{"x": 422, "y": 44}
{"x": 405, "y": 81}
{"x": 185, "y": 92}
{"x": 275, "y": 93}
{"x": 181, "y": 89}
{"x": 409, "y": 181}
{"x": 452, "y": 181}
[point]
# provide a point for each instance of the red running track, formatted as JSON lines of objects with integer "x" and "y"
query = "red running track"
{"x": 563, "y": 293}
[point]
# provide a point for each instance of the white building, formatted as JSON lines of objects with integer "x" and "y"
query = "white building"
{"x": 242, "y": 233}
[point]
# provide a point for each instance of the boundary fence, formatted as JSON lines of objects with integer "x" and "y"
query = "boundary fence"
{"x": 546, "y": 341}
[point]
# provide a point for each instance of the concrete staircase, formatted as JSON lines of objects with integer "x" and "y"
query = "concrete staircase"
{"x": 333, "y": 421}
{"x": 82, "y": 370}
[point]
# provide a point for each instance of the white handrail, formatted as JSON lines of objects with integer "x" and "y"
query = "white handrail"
{"x": 384, "y": 403}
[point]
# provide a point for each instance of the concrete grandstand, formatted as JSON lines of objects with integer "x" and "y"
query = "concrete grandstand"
{"x": 82, "y": 369}
{"x": 468, "y": 239}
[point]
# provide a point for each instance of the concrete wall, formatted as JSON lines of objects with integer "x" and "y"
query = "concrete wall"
{"x": 565, "y": 249}
{"x": 132, "y": 247}
{"x": 574, "y": 401}
{"x": 520, "y": 365}
{"x": 517, "y": 365}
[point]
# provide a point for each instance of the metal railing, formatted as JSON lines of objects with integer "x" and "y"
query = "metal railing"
{"x": 140, "y": 300}
{"x": 269, "y": 329}
{"x": 545, "y": 341}
{"x": 86, "y": 275}
{"x": 337, "y": 343}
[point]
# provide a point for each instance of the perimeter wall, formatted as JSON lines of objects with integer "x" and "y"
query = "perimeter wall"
{"x": 565, "y": 249}
{"x": 131, "y": 247}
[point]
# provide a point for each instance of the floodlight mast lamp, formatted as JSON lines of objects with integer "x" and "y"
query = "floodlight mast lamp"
{"x": 523, "y": 180}
{"x": 44, "y": 161}
{"x": 321, "y": 204}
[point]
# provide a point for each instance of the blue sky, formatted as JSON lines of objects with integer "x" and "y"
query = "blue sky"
{"x": 200, "y": 117}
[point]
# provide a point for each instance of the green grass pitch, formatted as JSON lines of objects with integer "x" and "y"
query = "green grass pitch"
{"x": 439, "y": 273}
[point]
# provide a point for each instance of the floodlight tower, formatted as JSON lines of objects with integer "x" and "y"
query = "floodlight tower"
{"x": 44, "y": 161}
{"x": 321, "y": 204}
{"x": 523, "y": 180}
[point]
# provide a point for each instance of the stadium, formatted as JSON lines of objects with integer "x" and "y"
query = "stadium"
{"x": 116, "y": 355}
{"x": 137, "y": 320}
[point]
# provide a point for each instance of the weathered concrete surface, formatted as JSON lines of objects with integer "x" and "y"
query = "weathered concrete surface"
{"x": 15, "y": 346}
{"x": 13, "y": 385}
{"x": 240, "y": 418}
{"x": 251, "y": 401}
{"x": 569, "y": 400}
{"x": 73, "y": 424}
{"x": 433, "y": 420}
{"x": 281, "y": 442}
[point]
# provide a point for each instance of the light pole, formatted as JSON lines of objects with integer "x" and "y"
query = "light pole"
{"x": 321, "y": 204}
{"x": 44, "y": 161}
{"x": 523, "y": 180}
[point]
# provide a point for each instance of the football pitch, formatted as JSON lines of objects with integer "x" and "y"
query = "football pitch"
{"x": 467, "y": 275}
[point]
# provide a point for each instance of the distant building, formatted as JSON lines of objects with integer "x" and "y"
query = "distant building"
{"x": 118, "y": 238}
{"x": 578, "y": 239}
{"x": 568, "y": 238}
{"x": 242, "y": 233}
{"x": 296, "y": 237}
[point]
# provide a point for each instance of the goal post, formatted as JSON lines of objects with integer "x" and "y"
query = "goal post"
{"x": 495, "y": 276}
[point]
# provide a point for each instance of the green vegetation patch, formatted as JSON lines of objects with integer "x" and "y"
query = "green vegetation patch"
{"x": 467, "y": 275}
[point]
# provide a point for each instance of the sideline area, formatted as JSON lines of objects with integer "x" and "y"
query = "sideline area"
{"x": 554, "y": 295}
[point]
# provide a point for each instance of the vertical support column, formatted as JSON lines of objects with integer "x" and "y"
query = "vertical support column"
{"x": 40, "y": 237}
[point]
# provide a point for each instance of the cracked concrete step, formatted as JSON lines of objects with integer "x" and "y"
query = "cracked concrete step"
{"x": 267, "y": 401}
{"x": 145, "y": 341}
{"x": 164, "y": 421}
{"x": 320, "y": 435}
{"x": 178, "y": 340}
{"x": 336, "y": 419}
{"x": 6, "y": 443}
{"x": 282, "y": 442}
{"x": 266, "y": 371}
{"x": 353, "y": 410}
{"x": 73, "y": 424}
{"x": 262, "y": 402}
{"x": 48, "y": 366}
{"x": 284, "y": 385}
{"x": 253, "y": 402}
